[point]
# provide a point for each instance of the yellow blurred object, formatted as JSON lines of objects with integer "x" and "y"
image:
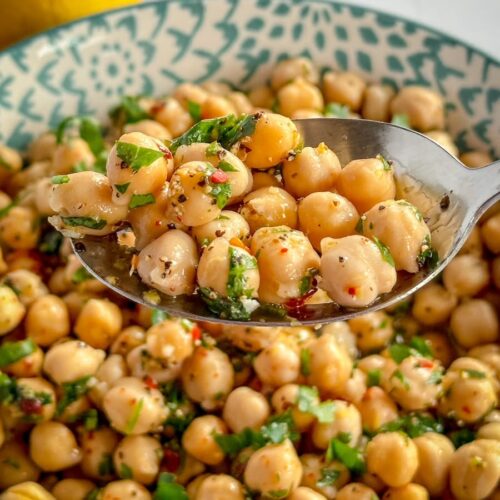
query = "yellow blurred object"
{"x": 22, "y": 18}
{"x": 27, "y": 491}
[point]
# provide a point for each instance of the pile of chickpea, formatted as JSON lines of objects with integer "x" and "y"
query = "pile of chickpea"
{"x": 101, "y": 399}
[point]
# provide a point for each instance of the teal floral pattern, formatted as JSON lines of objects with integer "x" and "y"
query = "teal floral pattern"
{"x": 83, "y": 67}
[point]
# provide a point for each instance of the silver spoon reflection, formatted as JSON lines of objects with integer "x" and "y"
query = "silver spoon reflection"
{"x": 451, "y": 197}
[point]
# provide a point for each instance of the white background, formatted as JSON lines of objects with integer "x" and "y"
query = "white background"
{"x": 474, "y": 21}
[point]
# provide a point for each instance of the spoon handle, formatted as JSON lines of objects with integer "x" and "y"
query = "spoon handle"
{"x": 483, "y": 187}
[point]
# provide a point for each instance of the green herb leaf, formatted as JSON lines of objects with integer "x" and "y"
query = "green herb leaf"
{"x": 305, "y": 362}
{"x": 225, "y": 307}
{"x": 461, "y": 437}
{"x": 351, "y": 457}
{"x": 336, "y": 110}
{"x": 401, "y": 377}
{"x": 306, "y": 282}
{"x": 214, "y": 149}
{"x": 141, "y": 200}
{"x": 414, "y": 425}
{"x": 93, "y": 494}
{"x": 401, "y": 120}
{"x": 122, "y": 188}
{"x": 194, "y": 109}
{"x": 158, "y": 316}
{"x": 10, "y": 352}
{"x": 105, "y": 467}
{"x": 373, "y": 377}
{"x": 128, "y": 111}
{"x": 278, "y": 494}
{"x": 125, "y": 471}
{"x": 221, "y": 192}
{"x": 386, "y": 163}
{"x": 5, "y": 210}
{"x": 384, "y": 250}
{"x": 225, "y": 166}
{"x": 474, "y": 374}
{"x": 328, "y": 477}
{"x": 283, "y": 420}
{"x": 79, "y": 167}
{"x": 176, "y": 400}
{"x": 429, "y": 256}
{"x": 360, "y": 224}
{"x": 71, "y": 391}
{"x": 232, "y": 444}
{"x": 60, "y": 179}
{"x": 240, "y": 262}
{"x": 399, "y": 352}
{"x": 421, "y": 345}
{"x": 275, "y": 432}
{"x": 80, "y": 275}
{"x": 51, "y": 242}
{"x": 135, "y": 156}
{"x": 8, "y": 389}
{"x": 86, "y": 128}
{"x": 168, "y": 489}
{"x": 307, "y": 401}
{"x": 89, "y": 222}
{"x": 134, "y": 417}
{"x": 90, "y": 419}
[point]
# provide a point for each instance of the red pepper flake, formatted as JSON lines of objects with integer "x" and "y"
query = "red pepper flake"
{"x": 219, "y": 177}
{"x": 31, "y": 405}
{"x": 150, "y": 382}
{"x": 466, "y": 409}
{"x": 196, "y": 333}
{"x": 426, "y": 363}
{"x": 351, "y": 291}
{"x": 171, "y": 460}
{"x": 284, "y": 250}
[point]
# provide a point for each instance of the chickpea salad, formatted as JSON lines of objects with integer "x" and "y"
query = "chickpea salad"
{"x": 104, "y": 399}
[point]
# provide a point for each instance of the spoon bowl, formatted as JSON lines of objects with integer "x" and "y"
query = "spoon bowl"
{"x": 451, "y": 196}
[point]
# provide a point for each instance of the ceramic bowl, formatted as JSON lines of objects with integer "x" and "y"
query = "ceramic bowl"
{"x": 85, "y": 66}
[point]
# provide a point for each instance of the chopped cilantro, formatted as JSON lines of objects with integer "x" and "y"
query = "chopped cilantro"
{"x": 373, "y": 377}
{"x": 157, "y": 316}
{"x": 194, "y": 109}
{"x": 125, "y": 471}
{"x": 351, "y": 457}
{"x": 278, "y": 494}
{"x": 60, "y": 179}
{"x": 307, "y": 281}
{"x": 413, "y": 424}
{"x": 9, "y": 392}
{"x": 328, "y": 477}
{"x": 461, "y": 437}
{"x": 141, "y": 200}
{"x": 384, "y": 250}
{"x": 105, "y": 467}
{"x": 305, "y": 361}
{"x": 225, "y": 166}
{"x": 429, "y": 256}
{"x": 71, "y": 391}
{"x": 226, "y": 307}
{"x": 175, "y": 399}
{"x": 168, "y": 489}
{"x": 213, "y": 149}
{"x": 240, "y": 262}
{"x": 134, "y": 417}
{"x": 86, "y": 128}
{"x": 401, "y": 120}
{"x": 89, "y": 222}
{"x": 360, "y": 224}
{"x": 421, "y": 345}
{"x": 90, "y": 419}
{"x": 128, "y": 111}
{"x": 221, "y": 192}
{"x": 401, "y": 377}
{"x": 5, "y": 210}
{"x": 474, "y": 373}
{"x": 336, "y": 110}
{"x": 135, "y": 156}
{"x": 10, "y": 352}
{"x": 122, "y": 188}
{"x": 80, "y": 275}
{"x": 51, "y": 242}
{"x": 307, "y": 401}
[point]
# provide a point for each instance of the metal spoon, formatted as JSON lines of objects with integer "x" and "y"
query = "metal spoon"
{"x": 451, "y": 196}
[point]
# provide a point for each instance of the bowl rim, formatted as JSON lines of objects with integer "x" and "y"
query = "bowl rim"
{"x": 139, "y": 6}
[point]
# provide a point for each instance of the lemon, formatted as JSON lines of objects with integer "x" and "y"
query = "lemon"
{"x": 21, "y": 18}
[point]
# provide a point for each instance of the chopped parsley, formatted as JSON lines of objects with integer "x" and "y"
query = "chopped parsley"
{"x": 71, "y": 391}
{"x": 351, "y": 457}
{"x": 328, "y": 477}
{"x": 307, "y": 401}
{"x": 305, "y": 361}
{"x": 226, "y": 307}
{"x": 240, "y": 262}
{"x": 360, "y": 224}
{"x": 51, "y": 242}
{"x": 158, "y": 316}
{"x": 89, "y": 222}
{"x": 413, "y": 424}
{"x": 80, "y": 275}
{"x": 128, "y": 111}
{"x": 175, "y": 399}
{"x": 336, "y": 110}
{"x": 221, "y": 191}
{"x": 86, "y": 128}
{"x": 10, "y": 352}
{"x": 474, "y": 374}
{"x": 105, "y": 467}
{"x": 422, "y": 346}
{"x": 141, "y": 200}
{"x": 214, "y": 149}
{"x": 60, "y": 179}
{"x": 134, "y": 417}
{"x": 418, "y": 347}
{"x": 428, "y": 257}
{"x": 461, "y": 437}
{"x": 307, "y": 281}
{"x": 225, "y": 166}
{"x": 373, "y": 377}
{"x": 135, "y": 156}
{"x": 125, "y": 471}
{"x": 194, "y": 109}
{"x": 122, "y": 188}
{"x": 398, "y": 374}
{"x": 278, "y": 494}
{"x": 384, "y": 250}
{"x": 402, "y": 120}
{"x": 168, "y": 489}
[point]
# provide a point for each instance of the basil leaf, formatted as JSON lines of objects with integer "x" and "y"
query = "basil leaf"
{"x": 336, "y": 110}
{"x": 168, "y": 489}
{"x": 141, "y": 200}
{"x": 90, "y": 222}
{"x": 71, "y": 391}
{"x": 122, "y": 188}
{"x": 134, "y": 417}
{"x": 10, "y": 352}
{"x": 351, "y": 457}
{"x": 385, "y": 163}
{"x": 225, "y": 166}
{"x": 384, "y": 250}
{"x": 401, "y": 120}
{"x": 136, "y": 157}
{"x": 239, "y": 263}
{"x": 60, "y": 179}
{"x": 194, "y": 109}
{"x": 305, "y": 362}
{"x": 128, "y": 111}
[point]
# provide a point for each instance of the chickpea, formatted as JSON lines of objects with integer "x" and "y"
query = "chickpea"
{"x": 111, "y": 370}
{"x": 170, "y": 340}
{"x": 356, "y": 491}
{"x": 373, "y": 331}
{"x": 221, "y": 486}
{"x": 72, "y": 360}
{"x": 27, "y": 491}
{"x": 285, "y": 257}
{"x": 42, "y": 148}
{"x": 274, "y": 468}
{"x": 343, "y": 334}
{"x": 189, "y": 468}
{"x": 354, "y": 271}
{"x": 216, "y": 263}
{"x": 376, "y": 409}
{"x": 250, "y": 338}
{"x": 16, "y": 465}
{"x": 474, "y": 159}
{"x": 198, "y": 439}
{"x": 28, "y": 285}
{"x": 169, "y": 263}
{"x": 71, "y": 153}
{"x": 489, "y": 430}
{"x": 314, "y": 467}
{"x": 299, "y": 94}
{"x": 490, "y": 233}
{"x": 271, "y": 141}
{"x": 277, "y": 364}
{"x": 139, "y": 454}
{"x": 440, "y": 347}
{"x": 262, "y": 96}
{"x": 173, "y": 116}
{"x": 189, "y": 92}
{"x": 130, "y": 337}
{"x": 475, "y": 469}
{"x": 151, "y": 128}
{"x": 125, "y": 489}
{"x": 269, "y": 207}
{"x": 228, "y": 225}
{"x": 468, "y": 391}
{"x": 85, "y": 206}
{"x": 10, "y": 162}
{"x": 208, "y": 377}
{"x": 347, "y": 420}
{"x": 134, "y": 408}
{"x": 344, "y": 88}
{"x": 393, "y": 457}
{"x": 435, "y": 453}
{"x": 215, "y": 106}
{"x": 474, "y": 323}
{"x": 354, "y": 388}
{"x": 330, "y": 365}
{"x": 245, "y": 408}
{"x": 264, "y": 180}
{"x": 423, "y": 107}
{"x": 72, "y": 489}
{"x": 53, "y": 447}
{"x": 97, "y": 451}
{"x": 11, "y": 310}
{"x": 290, "y": 69}
{"x": 285, "y": 398}
{"x": 376, "y": 102}
{"x": 47, "y": 320}
{"x": 433, "y": 304}
{"x": 326, "y": 214}
{"x": 305, "y": 493}
{"x": 410, "y": 491}
{"x": 31, "y": 407}
{"x": 19, "y": 228}
{"x": 466, "y": 275}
